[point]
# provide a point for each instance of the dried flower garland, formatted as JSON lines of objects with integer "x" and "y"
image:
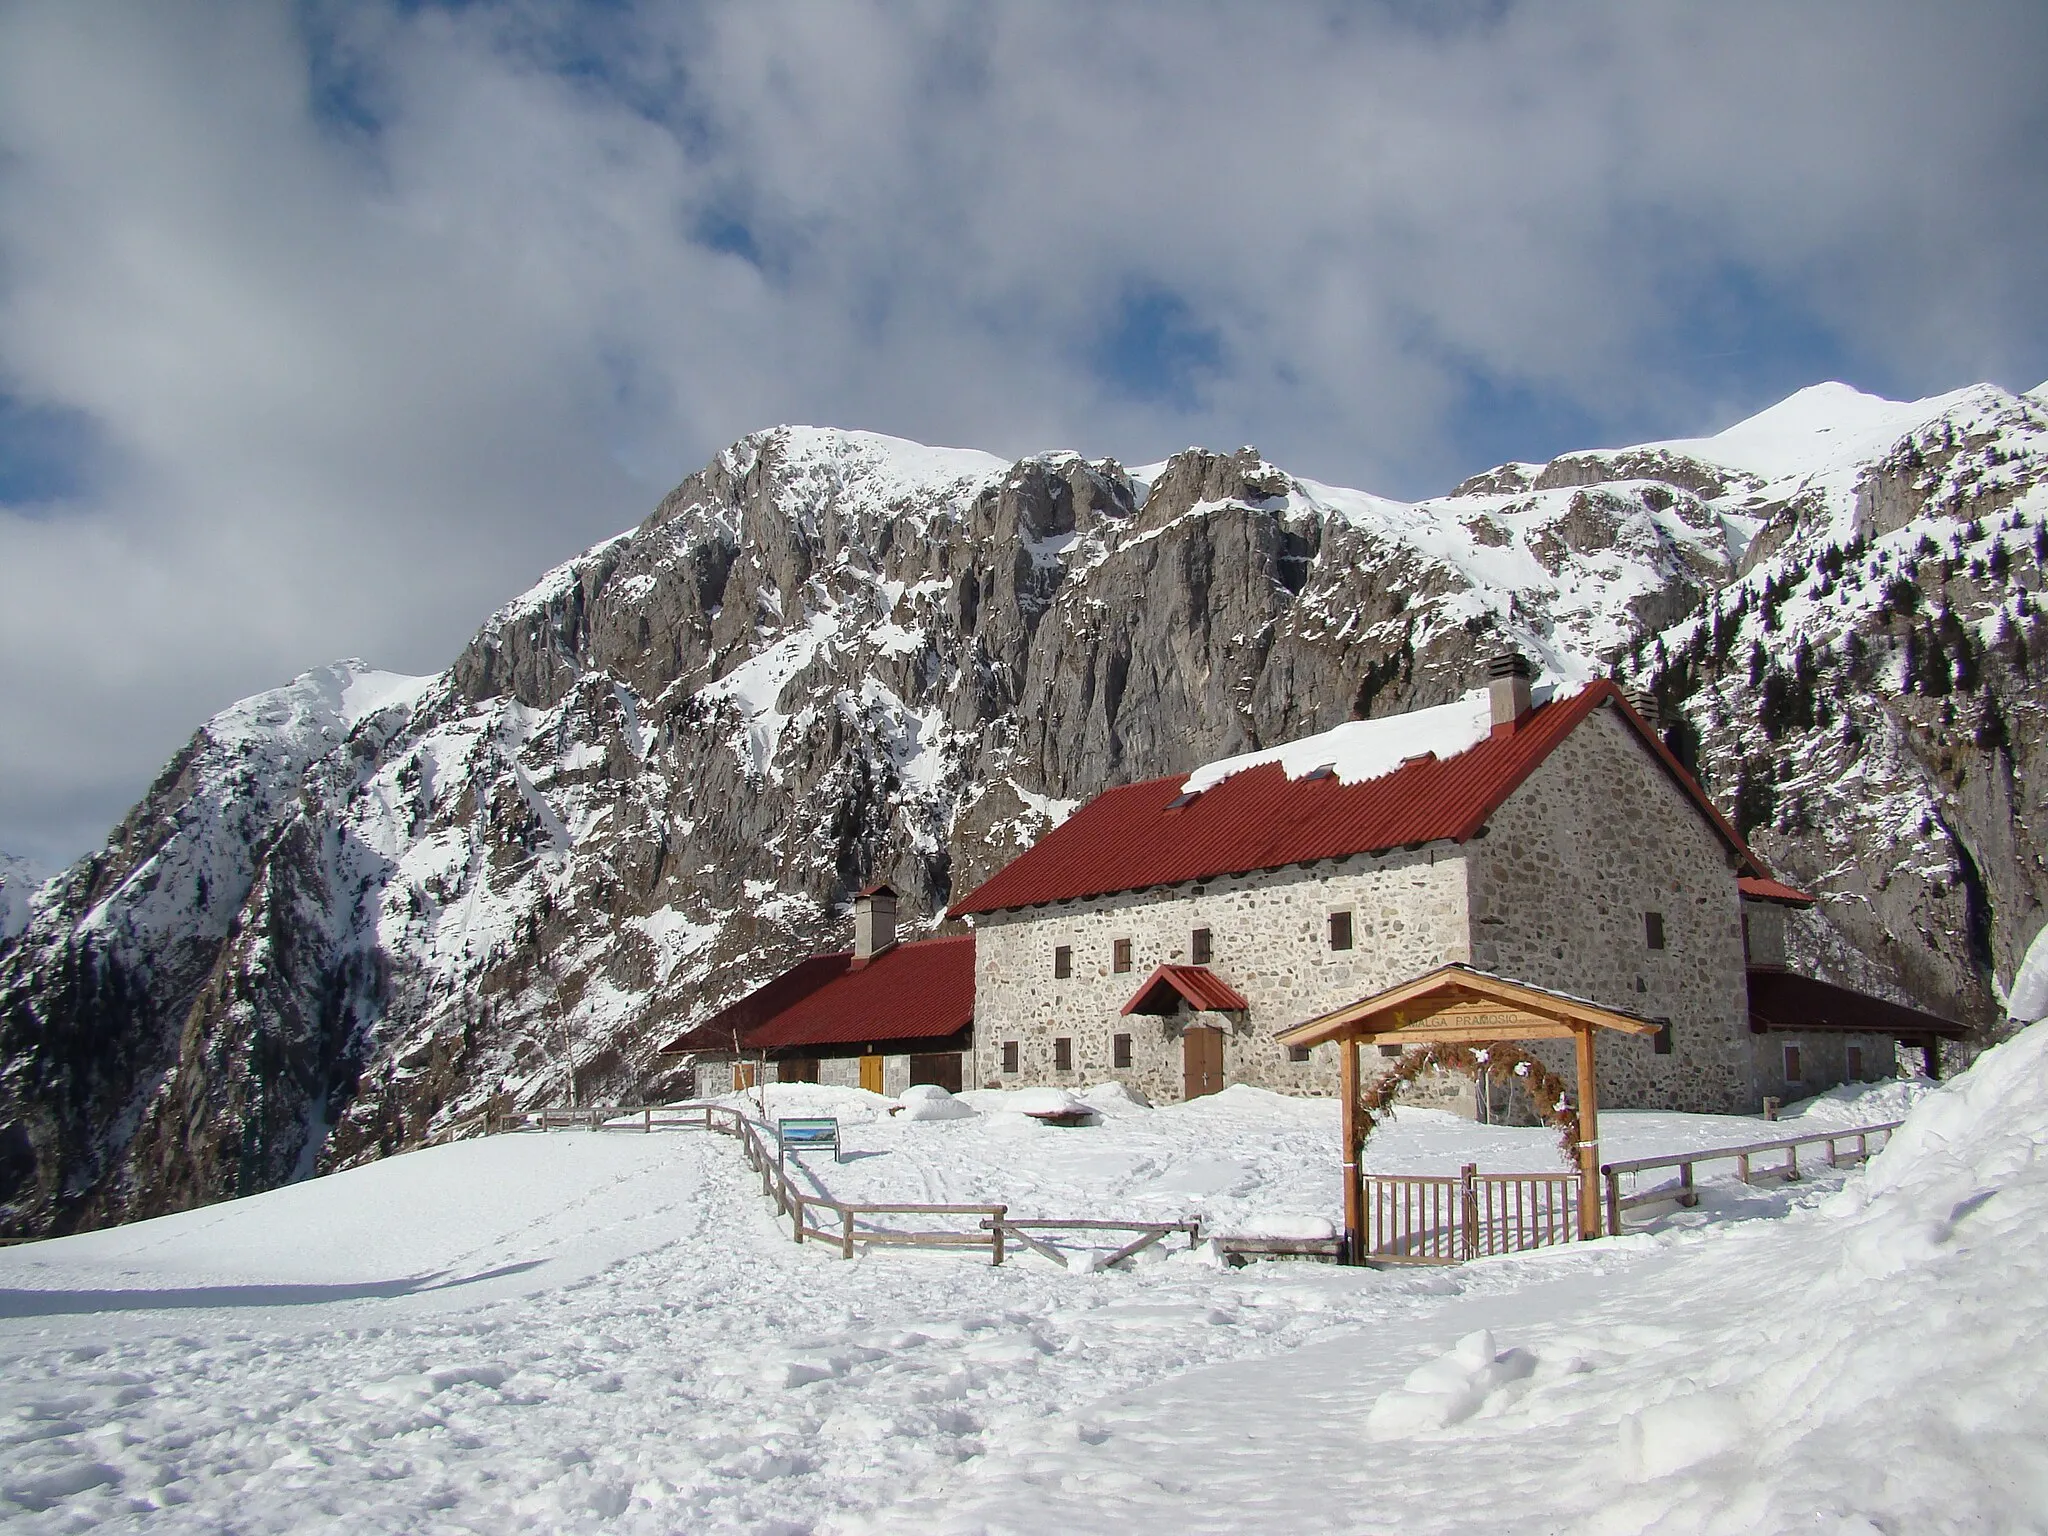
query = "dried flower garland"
{"x": 1546, "y": 1090}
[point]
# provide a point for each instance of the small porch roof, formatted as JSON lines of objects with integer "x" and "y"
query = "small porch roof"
{"x": 1455, "y": 1004}
{"x": 1203, "y": 989}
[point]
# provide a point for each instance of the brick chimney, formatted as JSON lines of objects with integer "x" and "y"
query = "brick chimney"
{"x": 874, "y": 922}
{"x": 1507, "y": 680}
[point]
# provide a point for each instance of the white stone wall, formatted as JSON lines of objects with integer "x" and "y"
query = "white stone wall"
{"x": 1270, "y": 936}
{"x": 1595, "y": 838}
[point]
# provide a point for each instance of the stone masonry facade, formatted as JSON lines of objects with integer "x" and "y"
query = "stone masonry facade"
{"x": 1270, "y": 939}
{"x": 1592, "y": 860}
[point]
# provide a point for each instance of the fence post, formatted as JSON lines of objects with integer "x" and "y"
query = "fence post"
{"x": 1613, "y": 1202}
{"x": 1468, "y": 1208}
{"x": 1687, "y": 1198}
{"x": 797, "y": 1206}
{"x": 995, "y": 1236}
{"x": 846, "y": 1234}
{"x": 1792, "y": 1163}
{"x": 1742, "y": 1167}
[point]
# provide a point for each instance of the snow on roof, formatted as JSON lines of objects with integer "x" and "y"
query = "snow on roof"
{"x": 1360, "y": 750}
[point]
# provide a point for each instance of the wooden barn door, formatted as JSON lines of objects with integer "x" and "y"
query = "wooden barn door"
{"x": 1202, "y": 1062}
{"x": 941, "y": 1069}
{"x": 871, "y": 1073}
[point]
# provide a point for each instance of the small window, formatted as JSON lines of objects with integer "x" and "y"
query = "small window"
{"x": 1653, "y": 929}
{"x": 1793, "y": 1074}
{"x": 1660, "y": 1042}
{"x": 1855, "y": 1063}
{"x": 1297, "y": 1053}
{"x": 1009, "y": 1056}
{"x": 1120, "y": 1050}
{"x": 1199, "y": 948}
{"x": 1340, "y": 930}
{"x": 1120, "y": 956}
{"x": 1063, "y": 1054}
{"x": 1063, "y": 962}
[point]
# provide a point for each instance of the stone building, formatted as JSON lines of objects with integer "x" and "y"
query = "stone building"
{"x": 1166, "y": 931}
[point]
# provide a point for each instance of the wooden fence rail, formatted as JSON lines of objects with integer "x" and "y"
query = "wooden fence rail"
{"x": 1684, "y": 1189}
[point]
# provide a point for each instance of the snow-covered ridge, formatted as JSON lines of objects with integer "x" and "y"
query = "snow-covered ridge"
{"x": 20, "y": 879}
{"x": 1360, "y": 750}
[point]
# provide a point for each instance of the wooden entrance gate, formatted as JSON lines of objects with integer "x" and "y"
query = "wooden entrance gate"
{"x": 1447, "y": 1220}
{"x": 871, "y": 1074}
{"x": 1201, "y": 1062}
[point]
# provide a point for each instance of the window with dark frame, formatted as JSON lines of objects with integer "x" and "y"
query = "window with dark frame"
{"x": 1063, "y": 1054}
{"x": 1340, "y": 930}
{"x": 1120, "y": 956}
{"x": 1660, "y": 1043}
{"x": 1063, "y": 962}
{"x": 1200, "y": 949}
{"x": 1297, "y": 1053}
{"x": 1009, "y": 1056}
{"x": 1793, "y": 1072}
{"x": 1653, "y": 929}
{"x": 1120, "y": 1050}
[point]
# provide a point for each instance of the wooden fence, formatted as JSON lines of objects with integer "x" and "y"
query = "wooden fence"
{"x": 847, "y": 1226}
{"x": 1436, "y": 1219}
{"x": 1684, "y": 1189}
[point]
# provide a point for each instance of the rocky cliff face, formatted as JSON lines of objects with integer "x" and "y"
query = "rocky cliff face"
{"x": 354, "y": 910}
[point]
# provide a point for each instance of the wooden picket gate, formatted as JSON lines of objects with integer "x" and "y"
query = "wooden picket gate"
{"x": 1423, "y": 1219}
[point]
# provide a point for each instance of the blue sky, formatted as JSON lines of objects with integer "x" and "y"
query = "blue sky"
{"x": 325, "y": 327}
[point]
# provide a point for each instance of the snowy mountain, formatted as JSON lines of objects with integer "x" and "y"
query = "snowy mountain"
{"x": 354, "y": 910}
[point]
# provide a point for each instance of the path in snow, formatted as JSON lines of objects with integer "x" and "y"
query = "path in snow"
{"x": 580, "y": 1332}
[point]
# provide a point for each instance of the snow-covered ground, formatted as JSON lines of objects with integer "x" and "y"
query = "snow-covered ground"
{"x": 611, "y": 1332}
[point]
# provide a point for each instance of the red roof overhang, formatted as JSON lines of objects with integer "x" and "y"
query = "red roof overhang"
{"x": 1203, "y": 989}
{"x": 1757, "y": 888}
{"x": 1148, "y": 834}
{"x": 918, "y": 991}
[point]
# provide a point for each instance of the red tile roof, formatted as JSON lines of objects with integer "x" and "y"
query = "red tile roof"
{"x": 918, "y": 991}
{"x": 1785, "y": 1001}
{"x": 1757, "y": 888}
{"x": 1136, "y": 837}
{"x": 1202, "y": 987}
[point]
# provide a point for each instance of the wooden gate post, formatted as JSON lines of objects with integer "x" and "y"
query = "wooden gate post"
{"x": 1589, "y": 1137}
{"x": 1468, "y": 1212}
{"x": 1354, "y": 1191}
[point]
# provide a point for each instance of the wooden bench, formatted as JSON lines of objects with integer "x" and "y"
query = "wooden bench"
{"x": 795, "y": 1135}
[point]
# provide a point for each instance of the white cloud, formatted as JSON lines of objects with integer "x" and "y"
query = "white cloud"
{"x": 378, "y": 313}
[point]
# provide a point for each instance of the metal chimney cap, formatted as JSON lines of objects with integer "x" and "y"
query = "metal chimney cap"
{"x": 1509, "y": 664}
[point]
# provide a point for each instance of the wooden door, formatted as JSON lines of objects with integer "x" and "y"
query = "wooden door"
{"x": 744, "y": 1074}
{"x": 1202, "y": 1062}
{"x": 795, "y": 1069}
{"x": 941, "y": 1069}
{"x": 871, "y": 1073}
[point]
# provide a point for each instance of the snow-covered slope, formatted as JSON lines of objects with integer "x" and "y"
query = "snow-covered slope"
{"x": 20, "y": 879}
{"x": 829, "y": 658}
{"x": 574, "y": 1333}
{"x": 1866, "y": 1365}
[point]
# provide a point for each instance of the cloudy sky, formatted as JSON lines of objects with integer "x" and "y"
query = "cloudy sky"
{"x": 325, "y": 328}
